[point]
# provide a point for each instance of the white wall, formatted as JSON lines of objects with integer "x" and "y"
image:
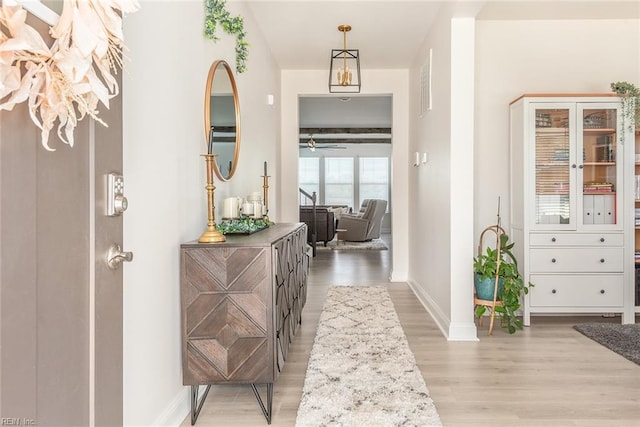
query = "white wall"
{"x": 163, "y": 101}
{"x": 384, "y": 82}
{"x": 516, "y": 57}
{"x": 462, "y": 326}
{"x": 441, "y": 209}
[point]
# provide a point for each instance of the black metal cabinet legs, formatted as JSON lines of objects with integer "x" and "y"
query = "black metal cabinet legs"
{"x": 265, "y": 410}
{"x": 196, "y": 405}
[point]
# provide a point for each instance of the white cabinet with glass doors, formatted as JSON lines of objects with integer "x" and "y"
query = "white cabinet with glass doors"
{"x": 571, "y": 214}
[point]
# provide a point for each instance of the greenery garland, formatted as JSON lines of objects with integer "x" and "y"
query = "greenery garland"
{"x": 630, "y": 96}
{"x": 234, "y": 25}
{"x": 244, "y": 225}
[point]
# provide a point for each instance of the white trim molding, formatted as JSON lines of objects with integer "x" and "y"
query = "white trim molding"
{"x": 451, "y": 331}
{"x": 36, "y": 8}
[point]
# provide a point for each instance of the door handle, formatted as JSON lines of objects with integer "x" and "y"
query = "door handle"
{"x": 117, "y": 256}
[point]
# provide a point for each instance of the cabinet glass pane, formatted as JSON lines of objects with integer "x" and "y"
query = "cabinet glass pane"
{"x": 599, "y": 174}
{"x": 552, "y": 166}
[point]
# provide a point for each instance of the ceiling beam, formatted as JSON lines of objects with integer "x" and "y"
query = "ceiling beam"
{"x": 303, "y": 141}
{"x": 347, "y": 130}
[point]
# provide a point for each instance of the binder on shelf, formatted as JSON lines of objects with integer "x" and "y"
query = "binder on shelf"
{"x": 599, "y": 208}
{"x": 608, "y": 208}
{"x": 587, "y": 209}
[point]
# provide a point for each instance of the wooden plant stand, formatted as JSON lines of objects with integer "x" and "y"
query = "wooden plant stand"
{"x": 490, "y": 304}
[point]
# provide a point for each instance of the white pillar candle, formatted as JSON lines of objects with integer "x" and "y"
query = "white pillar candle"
{"x": 247, "y": 208}
{"x": 226, "y": 209}
{"x": 235, "y": 207}
{"x": 230, "y": 208}
{"x": 257, "y": 210}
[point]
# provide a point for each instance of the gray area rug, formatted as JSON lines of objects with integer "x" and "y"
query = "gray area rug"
{"x": 334, "y": 245}
{"x": 361, "y": 371}
{"x": 623, "y": 339}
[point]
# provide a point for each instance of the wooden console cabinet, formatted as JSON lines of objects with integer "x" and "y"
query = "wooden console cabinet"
{"x": 241, "y": 304}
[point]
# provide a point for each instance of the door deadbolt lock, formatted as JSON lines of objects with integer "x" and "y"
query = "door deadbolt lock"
{"x": 116, "y": 201}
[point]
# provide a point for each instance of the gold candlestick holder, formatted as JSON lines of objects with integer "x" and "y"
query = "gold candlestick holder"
{"x": 211, "y": 234}
{"x": 265, "y": 195}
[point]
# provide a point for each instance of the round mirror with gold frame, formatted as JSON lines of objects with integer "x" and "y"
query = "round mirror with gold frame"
{"x": 222, "y": 119}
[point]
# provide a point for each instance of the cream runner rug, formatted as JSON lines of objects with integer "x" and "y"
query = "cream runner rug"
{"x": 361, "y": 371}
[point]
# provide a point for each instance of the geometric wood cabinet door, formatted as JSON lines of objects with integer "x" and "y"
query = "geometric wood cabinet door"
{"x": 241, "y": 304}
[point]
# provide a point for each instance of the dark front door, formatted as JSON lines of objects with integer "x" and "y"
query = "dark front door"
{"x": 60, "y": 304}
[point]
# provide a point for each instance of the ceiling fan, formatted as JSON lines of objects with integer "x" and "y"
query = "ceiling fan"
{"x": 312, "y": 145}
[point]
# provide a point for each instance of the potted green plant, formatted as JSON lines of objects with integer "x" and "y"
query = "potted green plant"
{"x": 630, "y": 96}
{"x": 511, "y": 285}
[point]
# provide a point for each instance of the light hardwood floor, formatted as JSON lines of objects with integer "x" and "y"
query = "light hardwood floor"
{"x": 546, "y": 375}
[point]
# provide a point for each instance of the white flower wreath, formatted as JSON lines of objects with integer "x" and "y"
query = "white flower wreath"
{"x": 63, "y": 82}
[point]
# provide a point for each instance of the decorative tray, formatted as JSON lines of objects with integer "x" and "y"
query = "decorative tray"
{"x": 242, "y": 226}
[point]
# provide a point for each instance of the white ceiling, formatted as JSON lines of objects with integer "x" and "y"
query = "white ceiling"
{"x": 388, "y": 33}
{"x": 301, "y": 33}
{"x": 560, "y": 9}
{"x": 345, "y": 111}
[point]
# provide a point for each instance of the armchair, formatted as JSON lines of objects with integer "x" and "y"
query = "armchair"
{"x": 365, "y": 225}
{"x": 325, "y": 225}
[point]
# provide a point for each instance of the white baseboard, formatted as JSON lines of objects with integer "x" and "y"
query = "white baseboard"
{"x": 177, "y": 411}
{"x": 432, "y": 308}
{"x": 451, "y": 331}
{"x": 463, "y": 332}
{"x": 398, "y": 276}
